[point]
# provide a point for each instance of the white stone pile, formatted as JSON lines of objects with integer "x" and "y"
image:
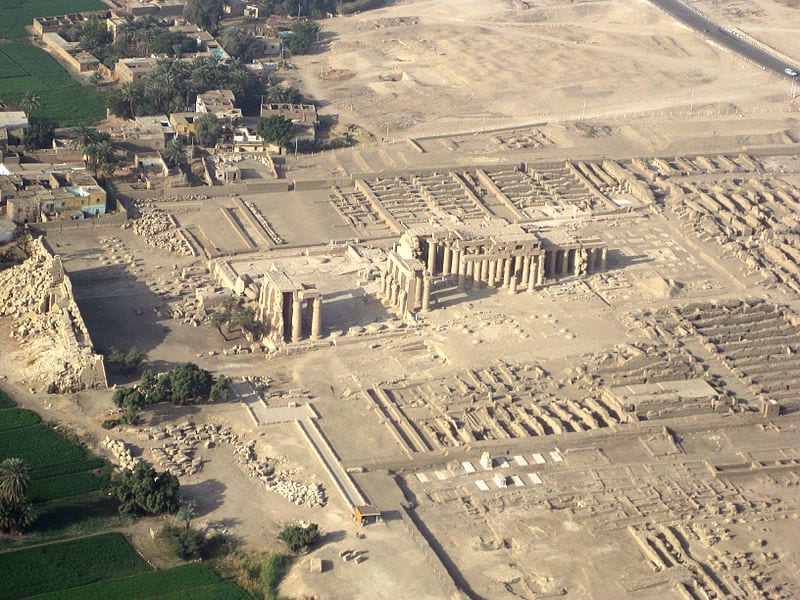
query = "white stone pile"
{"x": 157, "y": 228}
{"x": 121, "y": 453}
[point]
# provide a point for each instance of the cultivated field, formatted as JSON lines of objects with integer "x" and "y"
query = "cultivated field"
{"x": 104, "y": 566}
{"x": 59, "y": 468}
{"x": 26, "y": 68}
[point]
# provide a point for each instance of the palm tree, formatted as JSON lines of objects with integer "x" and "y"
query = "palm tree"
{"x": 174, "y": 151}
{"x": 82, "y": 136}
{"x": 14, "y": 480}
{"x": 131, "y": 92}
{"x": 28, "y": 102}
{"x": 99, "y": 155}
{"x": 14, "y": 517}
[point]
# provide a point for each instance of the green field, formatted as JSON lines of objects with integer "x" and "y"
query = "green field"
{"x": 59, "y": 468}
{"x": 138, "y": 587}
{"x": 14, "y": 418}
{"x": 104, "y": 566}
{"x": 53, "y": 567}
{"x": 24, "y": 67}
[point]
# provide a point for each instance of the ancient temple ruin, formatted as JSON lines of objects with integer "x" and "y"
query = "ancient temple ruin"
{"x": 289, "y": 310}
{"x": 488, "y": 254}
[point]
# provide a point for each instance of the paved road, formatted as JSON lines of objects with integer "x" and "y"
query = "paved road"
{"x": 711, "y": 30}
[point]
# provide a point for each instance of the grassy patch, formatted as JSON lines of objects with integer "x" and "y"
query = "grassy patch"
{"x": 14, "y": 418}
{"x": 6, "y": 401}
{"x": 54, "y": 567}
{"x": 275, "y": 569}
{"x": 141, "y": 587}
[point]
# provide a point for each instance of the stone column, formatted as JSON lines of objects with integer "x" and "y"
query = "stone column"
{"x": 384, "y": 283}
{"x": 462, "y": 271}
{"x": 297, "y": 318}
{"x": 394, "y": 292}
{"x": 412, "y": 293}
{"x": 603, "y": 259}
{"x": 426, "y": 294}
{"x": 402, "y": 303}
{"x": 446, "y": 262}
{"x": 526, "y": 271}
{"x": 533, "y": 274}
{"x": 432, "y": 255}
{"x": 507, "y": 271}
{"x": 580, "y": 261}
{"x": 470, "y": 272}
{"x": 512, "y": 288}
{"x": 540, "y": 269}
{"x": 492, "y": 272}
{"x": 564, "y": 266}
{"x": 456, "y": 262}
{"x": 419, "y": 290}
{"x": 484, "y": 270}
{"x": 316, "y": 318}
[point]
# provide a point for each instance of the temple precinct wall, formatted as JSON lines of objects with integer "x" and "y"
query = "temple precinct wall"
{"x": 55, "y": 347}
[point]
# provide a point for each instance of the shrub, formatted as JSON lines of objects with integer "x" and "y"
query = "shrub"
{"x": 297, "y": 537}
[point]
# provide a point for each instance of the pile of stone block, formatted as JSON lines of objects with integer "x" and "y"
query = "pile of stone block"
{"x": 178, "y": 454}
{"x": 157, "y": 227}
{"x": 121, "y": 453}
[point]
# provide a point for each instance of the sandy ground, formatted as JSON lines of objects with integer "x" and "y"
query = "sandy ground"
{"x": 441, "y": 65}
{"x": 774, "y": 22}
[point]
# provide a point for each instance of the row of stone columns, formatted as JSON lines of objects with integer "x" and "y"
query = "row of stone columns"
{"x": 297, "y": 317}
{"x": 510, "y": 272}
{"x": 405, "y": 291}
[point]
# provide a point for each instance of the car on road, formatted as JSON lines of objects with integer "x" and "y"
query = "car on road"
{"x": 790, "y": 72}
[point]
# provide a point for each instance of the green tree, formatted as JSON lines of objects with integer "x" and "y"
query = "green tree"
{"x": 297, "y": 537}
{"x": 190, "y": 384}
{"x": 15, "y": 513}
{"x": 142, "y": 490}
{"x": 276, "y": 129}
{"x": 203, "y": 13}
{"x": 94, "y": 34}
{"x": 240, "y": 43}
{"x": 14, "y": 480}
{"x": 131, "y": 401}
{"x": 280, "y": 93}
{"x": 15, "y": 517}
{"x": 125, "y": 363}
{"x": 175, "y": 151}
{"x": 221, "y": 390}
{"x": 208, "y": 130}
{"x": 304, "y": 34}
{"x": 40, "y": 133}
{"x": 28, "y": 102}
{"x": 185, "y": 542}
{"x": 96, "y": 78}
